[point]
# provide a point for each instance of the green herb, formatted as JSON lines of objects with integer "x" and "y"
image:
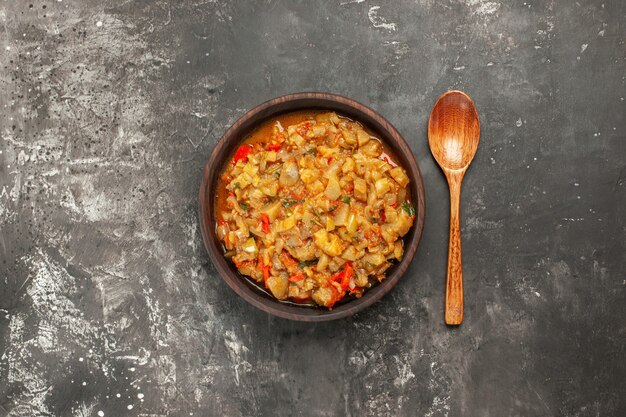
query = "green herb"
{"x": 408, "y": 208}
{"x": 304, "y": 264}
{"x": 333, "y": 208}
{"x": 244, "y": 206}
{"x": 236, "y": 186}
{"x": 374, "y": 220}
{"x": 346, "y": 199}
{"x": 312, "y": 151}
{"x": 277, "y": 174}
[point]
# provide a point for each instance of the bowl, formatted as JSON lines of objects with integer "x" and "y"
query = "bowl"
{"x": 223, "y": 150}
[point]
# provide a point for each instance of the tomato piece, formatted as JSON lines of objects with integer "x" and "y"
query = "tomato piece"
{"x": 382, "y": 216}
{"x": 242, "y": 154}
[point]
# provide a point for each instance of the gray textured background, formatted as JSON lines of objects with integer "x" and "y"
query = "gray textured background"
{"x": 108, "y": 301}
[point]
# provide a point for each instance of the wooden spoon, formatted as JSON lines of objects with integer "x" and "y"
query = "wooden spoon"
{"x": 453, "y": 133}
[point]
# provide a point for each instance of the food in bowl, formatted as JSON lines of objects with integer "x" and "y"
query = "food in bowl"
{"x": 313, "y": 207}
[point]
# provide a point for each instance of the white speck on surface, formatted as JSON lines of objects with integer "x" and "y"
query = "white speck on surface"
{"x": 118, "y": 395}
{"x": 140, "y": 395}
{"x": 537, "y": 294}
{"x": 84, "y": 383}
{"x": 518, "y": 123}
{"x": 576, "y": 184}
{"x": 583, "y": 47}
{"x": 99, "y": 23}
{"x": 379, "y": 21}
{"x": 459, "y": 68}
{"x": 101, "y": 413}
{"x": 485, "y": 8}
{"x": 129, "y": 406}
{"x": 132, "y": 369}
{"x": 81, "y": 359}
{"x": 351, "y": 2}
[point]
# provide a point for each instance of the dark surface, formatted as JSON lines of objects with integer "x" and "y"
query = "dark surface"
{"x": 106, "y": 288}
{"x": 222, "y": 154}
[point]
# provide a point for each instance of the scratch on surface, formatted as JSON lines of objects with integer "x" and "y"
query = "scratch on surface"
{"x": 236, "y": 352}
{"x": 379, "y": 21}
{"x": 405, "y": 374}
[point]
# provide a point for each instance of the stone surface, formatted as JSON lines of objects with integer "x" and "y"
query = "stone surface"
{"x": 110, "y": 306}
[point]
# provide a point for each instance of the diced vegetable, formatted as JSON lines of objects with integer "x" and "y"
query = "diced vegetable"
{"x": 352, "y": 223}
{"x": 360, "y": 189}
{"x": 278, "y": 285}
{"x": 265, "y": 221}
{"x": 250, "y": 246}
{"x": 362, "y": 136}
{"x": 400, "y": 176}
{"x": 271, "y": 210}
{"x": 289, "y": 174}
{"x": 297, "y": 277}
{"x": 333, "y": 190}
{"x": 348, "y": 136}
{"x": 408, "y": 208}
{"x": 242, "y": 154}
{"x": 383, "y": 186}
{"x": 328, "y": 242}
{"x": 273, "y": 146}
{"x": 341, "y": 215}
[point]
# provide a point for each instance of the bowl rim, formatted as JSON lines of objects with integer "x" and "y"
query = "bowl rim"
{"x": 236, "y": 133}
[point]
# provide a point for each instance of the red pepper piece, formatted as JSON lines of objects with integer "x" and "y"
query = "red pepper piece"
{"x": 297, "y": 277}
{"x": 242, "y": 154}
{"x": 336, "y": 296}
{"x": 344, "y": 276}
{"x": 265, "y": 223}
{"x": 264, "y": 268}
{"x": 382, "y": 216}
{"x": 348, "y": 273}
{"x": 274, "y": 147}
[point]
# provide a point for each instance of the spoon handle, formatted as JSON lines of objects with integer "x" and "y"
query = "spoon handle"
{"x": 454, "y": 278}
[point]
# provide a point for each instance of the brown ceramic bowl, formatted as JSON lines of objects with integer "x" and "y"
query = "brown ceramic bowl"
{"x": 252, "y": 293}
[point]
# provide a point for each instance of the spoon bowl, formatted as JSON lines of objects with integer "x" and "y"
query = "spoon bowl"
{"x": 453, "y": 135}
{"x": 454, "y": 130}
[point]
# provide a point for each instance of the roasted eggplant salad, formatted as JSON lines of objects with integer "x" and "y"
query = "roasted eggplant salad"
{"x": 313, "y": 207}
